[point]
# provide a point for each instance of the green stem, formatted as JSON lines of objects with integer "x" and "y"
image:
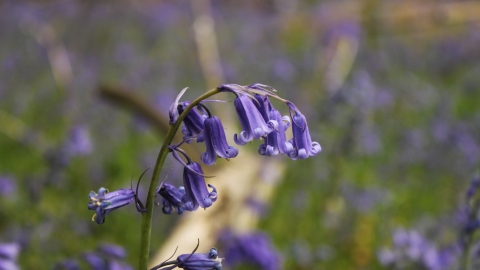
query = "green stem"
{"x": 147, "y": 216}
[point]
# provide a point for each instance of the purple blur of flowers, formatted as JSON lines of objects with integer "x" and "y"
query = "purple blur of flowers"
{"x": 66, "y": 265}
{"x": 301, "y": 141}
{"x": 216, "y": 142}
{"x": 252, "y": 122}
{"x": 195, "y": 188}
{"x": 275, "y": 142}
{"x": 105, "y": 202}
{"x": 95, "y": 261}
{"x": 8, "y": 256}
{"x": 411, "y": 247}
{"x": 193, "y": 123}
{"x": 172, "y": 198}
{"x": 78, "y": 142}
{"x": 251, "y": 249}
{"x": 7, "y": 185}
{"x": 111, "y": 250}
{"x": 106, "y": 260}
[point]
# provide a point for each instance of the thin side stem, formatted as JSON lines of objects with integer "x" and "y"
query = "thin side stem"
{"x": 146, "y": 227}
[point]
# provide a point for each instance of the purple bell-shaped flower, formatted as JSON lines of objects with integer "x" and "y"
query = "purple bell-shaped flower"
{"x": 172, "y": 198}
{"x": 275, "y": 142}
{"x": 192, "y": 123}
{"x": 216, "y": 142}
{"x": 301, "y": 141}
{"x": 196, "y": 189}
{"x": 105, "y": 202}
{"x": 252, "y": 122}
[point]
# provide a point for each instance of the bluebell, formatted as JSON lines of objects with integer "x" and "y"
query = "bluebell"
{"x": 301, "y": 141}
{"x": 209, "y": 261}
{"x": 275, "y": 142}
{"x": 196, "y": 189}
{"x": 105, "y": 202}
{"x": 193, "y": 123}
{"x": 252, "y": 122}
{"x": 173, "y": 198}
{"x": 216, "y": 142}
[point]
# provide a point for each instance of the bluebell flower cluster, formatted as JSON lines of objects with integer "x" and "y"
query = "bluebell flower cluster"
{"x": 253, "y": 249}
{"x": 8, "y": 256}
{"x": 258, "y": 120}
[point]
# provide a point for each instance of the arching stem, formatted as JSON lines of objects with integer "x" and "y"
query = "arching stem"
{"x": 146, "y": 226}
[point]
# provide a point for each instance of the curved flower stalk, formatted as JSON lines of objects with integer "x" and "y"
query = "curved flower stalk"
{"x": 216, "y": 142}
{"x": 196, "y": 189}
{"x": 302, "y": 142}
{"x": 105, "y": 202}
{"x": 193, "y": 124}
{"x": 172, "y": 198}
{"x": 252, "y": 122}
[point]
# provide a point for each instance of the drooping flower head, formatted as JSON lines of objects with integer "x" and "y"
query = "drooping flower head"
{"x": 195, "y": 188}
{"x": 105, "y": 202}
{"x": 193, "y": 123}
{"x": 275, "y": 142}
{"x": 301, "y": 141}
{"x": 216, "y": 141}
{"x": 172, "y": 198}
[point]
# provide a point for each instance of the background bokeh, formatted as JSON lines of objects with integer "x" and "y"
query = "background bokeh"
{"x": 391, "y": 90}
